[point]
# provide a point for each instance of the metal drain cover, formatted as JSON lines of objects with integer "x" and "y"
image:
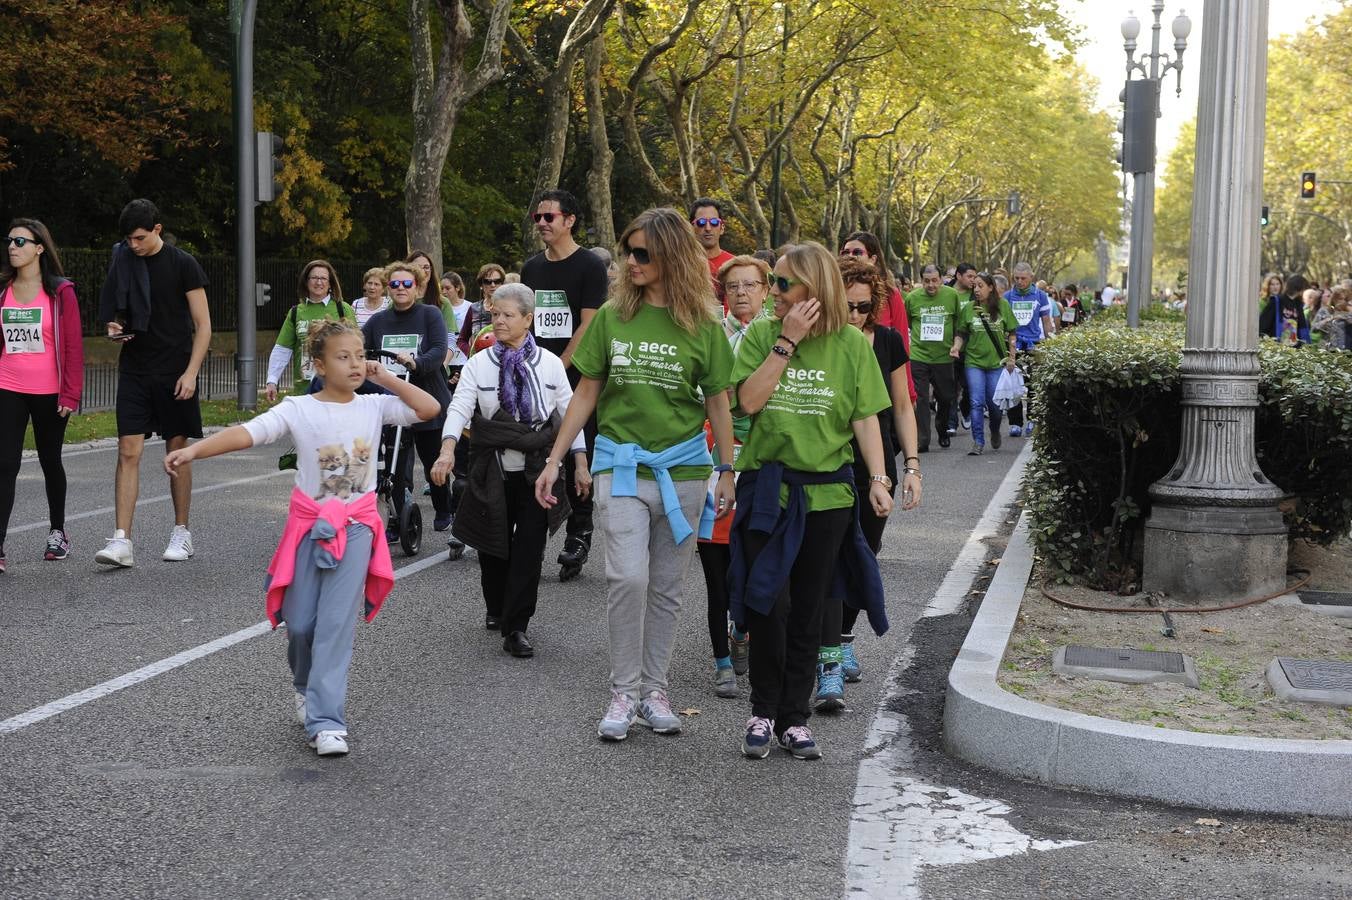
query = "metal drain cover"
{"x": 1125, "y": 665}
{"x": 1324, "y": 681}
{"x": 1325, "y": 598}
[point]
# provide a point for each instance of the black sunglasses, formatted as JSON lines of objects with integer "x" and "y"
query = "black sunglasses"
{"x": 401, "y": 282}
{"x": 866, "y": 307}
{"x": 712, "y": 223}
{"x": 493, "y": 281}
{"x": 640, "y": 254}
{"x": 22, "y": 241}
{"x": 782, "y": 282}
{"x": 546, "y": 217}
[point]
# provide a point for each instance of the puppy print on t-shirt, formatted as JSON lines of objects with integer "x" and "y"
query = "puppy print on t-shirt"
{"x": 333, "y": 473}
{"x": 359, "y": 464}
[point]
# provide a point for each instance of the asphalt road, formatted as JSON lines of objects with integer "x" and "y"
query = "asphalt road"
{"x": 474, "y": 774}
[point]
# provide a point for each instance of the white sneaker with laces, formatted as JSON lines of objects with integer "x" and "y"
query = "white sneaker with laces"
{"x": 180, "y": 545}
{"x": 300, "y": 707}
{"x": 117, "y": 552}
{"x": 330, "y": 743}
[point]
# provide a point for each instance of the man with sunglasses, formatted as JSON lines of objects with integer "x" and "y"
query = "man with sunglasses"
{"x": 706, "y": 217}
{"x": 570, "y": 284}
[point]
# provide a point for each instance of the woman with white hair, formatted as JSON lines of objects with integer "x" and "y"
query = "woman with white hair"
{"x": 513, "y": 397}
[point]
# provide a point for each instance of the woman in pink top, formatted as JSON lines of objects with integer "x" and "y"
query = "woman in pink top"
{"x": 41, "y": 370}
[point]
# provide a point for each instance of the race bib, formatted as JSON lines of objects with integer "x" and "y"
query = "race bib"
{"x": 932, "y": 326}
{"x": 398, "y": 343}
{"x": 23, "y": 329}
{"x": 1023, "y": 311}
{"x": 1068, "y": 315}
{"x": 553, "y": 318}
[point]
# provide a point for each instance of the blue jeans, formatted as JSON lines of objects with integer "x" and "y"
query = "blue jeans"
{"x": 981, "y": 388}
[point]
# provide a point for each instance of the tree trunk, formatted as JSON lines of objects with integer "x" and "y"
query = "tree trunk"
{"x": 441, "y": 87}
{"x": 602, "y": 158}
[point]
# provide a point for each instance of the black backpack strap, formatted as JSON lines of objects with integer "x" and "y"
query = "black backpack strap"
{"x": 1003, "y": 352}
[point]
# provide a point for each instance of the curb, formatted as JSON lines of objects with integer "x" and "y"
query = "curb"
{"x": 988, "y": 726}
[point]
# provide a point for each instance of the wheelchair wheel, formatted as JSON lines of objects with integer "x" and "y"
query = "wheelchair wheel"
{"x": 410, "y": 529}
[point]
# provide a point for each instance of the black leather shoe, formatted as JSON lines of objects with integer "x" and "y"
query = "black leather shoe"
{"x": 517, "y": 645}
{"x": 492, "y": 623}
{"x": 944, "y": 440}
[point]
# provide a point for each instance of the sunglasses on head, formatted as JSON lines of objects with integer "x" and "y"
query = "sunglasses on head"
{"x": 21, "y": 241}
{"x": 639, "y": 254}
{"x": 492, "y": 281}
{"x": 547, "y": 218}
{"x": 866, "y": 307}
{"x": 857, "y": 251}
{"x": 783, "y": 282}
{"x": 401, "y": 283}
{"x": 711, "y": 223}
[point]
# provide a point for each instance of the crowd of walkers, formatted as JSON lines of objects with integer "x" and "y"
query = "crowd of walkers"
{"x": 765, "y": 411}
{"x": 1297, "y": 312}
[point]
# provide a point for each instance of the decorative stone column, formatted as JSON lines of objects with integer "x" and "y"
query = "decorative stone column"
{"x": 1215, "y": 532}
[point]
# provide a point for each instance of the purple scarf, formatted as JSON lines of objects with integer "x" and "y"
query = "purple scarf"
{"x": 513, "y": 379}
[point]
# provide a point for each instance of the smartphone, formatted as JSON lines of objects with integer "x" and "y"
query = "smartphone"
{"x": 121, "y": 338}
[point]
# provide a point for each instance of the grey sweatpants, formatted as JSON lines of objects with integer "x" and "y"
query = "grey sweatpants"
{"x": 320, "y": 609}
{"x": 645, "y": 570}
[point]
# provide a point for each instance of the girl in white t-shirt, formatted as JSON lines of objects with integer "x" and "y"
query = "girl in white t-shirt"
{"x": 332, "y": 552}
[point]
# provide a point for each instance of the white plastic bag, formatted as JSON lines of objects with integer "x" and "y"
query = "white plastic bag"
{"x": 1010, "y": 389}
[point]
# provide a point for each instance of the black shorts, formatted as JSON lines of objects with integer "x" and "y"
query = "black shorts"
{"x": 146, "y": 405}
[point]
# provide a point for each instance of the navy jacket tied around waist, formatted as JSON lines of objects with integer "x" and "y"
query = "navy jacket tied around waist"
{"x": 857, "y": 579}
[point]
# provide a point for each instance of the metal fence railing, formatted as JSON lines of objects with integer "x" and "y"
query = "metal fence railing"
{"x": 218, "y": 380}
{"x": 89, "y": 268}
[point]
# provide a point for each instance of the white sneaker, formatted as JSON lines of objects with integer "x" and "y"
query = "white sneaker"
{"x": 300, "y": 707}
{"x": 117, "y": 552}
{"x": 180, "y": 545}
{"x": 330, "y": 743}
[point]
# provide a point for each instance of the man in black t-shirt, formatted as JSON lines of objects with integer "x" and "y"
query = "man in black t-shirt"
{"x": 570, "y": 285}
{"x": 154, "y": 303}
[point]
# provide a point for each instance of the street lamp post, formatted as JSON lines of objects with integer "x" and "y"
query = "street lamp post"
{"x": 1139, "y": 128}
{"x": 1215, "y": 531}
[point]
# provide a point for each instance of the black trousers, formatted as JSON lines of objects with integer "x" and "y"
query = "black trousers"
{"x": 1025, "y": 363}
{"x": 714, "y": 559}
{"x": 49, "y": 431}
{"x": 512, "y": 585}
{"x": 872, "y": 526}
{"x": 580, "y": 519}
{"x": 427, "y": 446}
{"x": 784, "y": 643}
{"x": 937, "y": 377}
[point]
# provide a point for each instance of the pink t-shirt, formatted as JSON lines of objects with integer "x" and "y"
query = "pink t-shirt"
{"x": 28, "y": 363}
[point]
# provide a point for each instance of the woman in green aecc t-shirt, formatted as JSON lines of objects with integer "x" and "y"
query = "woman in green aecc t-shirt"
{"x": 654, "y": 364}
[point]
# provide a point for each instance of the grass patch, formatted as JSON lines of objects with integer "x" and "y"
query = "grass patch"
{"x": 92, "y": 426}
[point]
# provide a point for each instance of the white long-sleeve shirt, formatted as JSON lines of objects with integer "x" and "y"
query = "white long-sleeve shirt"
{"x": 547, "y": 384}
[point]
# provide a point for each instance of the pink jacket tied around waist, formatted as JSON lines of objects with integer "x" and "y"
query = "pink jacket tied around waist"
{"x": 327, "y": 523}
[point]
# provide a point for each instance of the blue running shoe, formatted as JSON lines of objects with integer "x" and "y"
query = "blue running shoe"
{"x": 849, "y": 665}
{"x": 756, "y": 744}
{"x": 830, "y": 688}
{"x": 1015, "y": 431}
{"x": 798, "y": 742}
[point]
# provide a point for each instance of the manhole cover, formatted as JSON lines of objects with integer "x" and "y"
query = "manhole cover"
{"x": 1325, "y": 598}
{"x": 1125, "y": 658}
{"x": 1317, "y": 674}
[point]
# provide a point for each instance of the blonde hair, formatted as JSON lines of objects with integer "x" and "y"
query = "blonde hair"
{"x": 737, "y": 262}
{"x": 373, "y": 272}
{"x": 419, "y": 279}
{"x": 685, "y": 270}
{"x": 328, "y": 329}
{"x": 813, "y": 266}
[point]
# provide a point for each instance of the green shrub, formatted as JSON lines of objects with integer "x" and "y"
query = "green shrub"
{"x": 1117, "y": 315}
{"x": 1106, "y": 402}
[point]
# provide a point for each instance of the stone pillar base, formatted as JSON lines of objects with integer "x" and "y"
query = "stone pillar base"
{"x": 1213, "y": 555}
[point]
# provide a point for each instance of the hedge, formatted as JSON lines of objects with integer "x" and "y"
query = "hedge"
{"x": 1107, "y": 406}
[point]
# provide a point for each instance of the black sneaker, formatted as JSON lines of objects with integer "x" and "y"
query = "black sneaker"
{"x": 58, "y": 545}
{"x": 945, "y": 440}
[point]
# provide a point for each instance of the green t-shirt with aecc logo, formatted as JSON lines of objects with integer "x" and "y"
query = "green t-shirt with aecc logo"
{"x": 831, "y": 382}
{"x": 655, "y": 378}
{"x": 297, "y": 326}
{"x": 980, "y": 352}
{"x": 933, "y": 320}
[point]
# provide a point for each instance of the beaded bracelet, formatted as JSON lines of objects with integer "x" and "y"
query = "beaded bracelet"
{"x": 781, "y": 351}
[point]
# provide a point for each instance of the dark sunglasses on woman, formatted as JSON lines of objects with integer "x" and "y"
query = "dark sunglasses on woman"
{"x": 401, "y": 283}
{"x": 492, "y": 281}
{"x": 866, "y": 307}
{"x": 640, "y": 255}
{"x": 21, "y": 241}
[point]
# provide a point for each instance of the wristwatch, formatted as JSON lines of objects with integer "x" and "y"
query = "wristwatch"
{"x": 883, "y": 480}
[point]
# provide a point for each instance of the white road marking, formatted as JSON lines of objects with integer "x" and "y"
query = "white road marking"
{"x": 30, "y": 456}
{"x": 900, "y": 824}
{"x": 948, "y": 599}
{"x": 168, "y": 664}
{"x": 159, "y": 498}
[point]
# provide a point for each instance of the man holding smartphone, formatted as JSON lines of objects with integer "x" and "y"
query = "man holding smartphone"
{"x": 154, "y": 303}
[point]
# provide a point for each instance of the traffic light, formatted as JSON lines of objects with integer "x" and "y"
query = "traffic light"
{"x": 1264, "y": 219}
{"x": 269, "y": 165}
{"x": 1307, "y": 184}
